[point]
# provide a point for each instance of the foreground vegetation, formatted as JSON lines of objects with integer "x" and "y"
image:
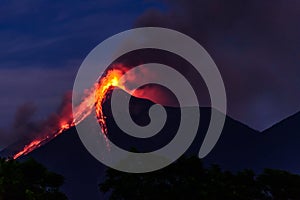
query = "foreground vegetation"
{"x": 189, "y": 179}
{"x": 28, "y": 180}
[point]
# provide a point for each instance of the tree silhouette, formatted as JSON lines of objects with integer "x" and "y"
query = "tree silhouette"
{"x": 28, "y": 180}
{"x": 280, "y": 184}
{"x": 189, "y": 179}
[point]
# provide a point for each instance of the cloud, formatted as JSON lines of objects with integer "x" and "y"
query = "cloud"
{"x": 53, "y": 33}
{"x": 43, "y": 87}
{"x": 255, "y": 45}
{"x": 23, "y": 127}
{"x": 43, "y": 44}
{"x": 26, "y": 128}
{"x": 43, "y": 90}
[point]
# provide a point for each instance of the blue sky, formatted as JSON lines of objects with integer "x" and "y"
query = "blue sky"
{"x": 43, "y": 44}
{"x": 254, "y": 43}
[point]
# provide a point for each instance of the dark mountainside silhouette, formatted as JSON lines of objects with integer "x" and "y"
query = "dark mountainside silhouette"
{"x": 239, "y": 147}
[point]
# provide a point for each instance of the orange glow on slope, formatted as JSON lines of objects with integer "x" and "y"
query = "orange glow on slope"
{"x": 111, "y": 79}
{"x": 96, "y": 96}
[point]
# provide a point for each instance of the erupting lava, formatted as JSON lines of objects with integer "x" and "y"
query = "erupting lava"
{"x": 96, "y": 96}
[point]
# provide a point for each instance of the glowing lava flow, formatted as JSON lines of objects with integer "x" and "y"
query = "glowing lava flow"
{"x": 96, "y": 97}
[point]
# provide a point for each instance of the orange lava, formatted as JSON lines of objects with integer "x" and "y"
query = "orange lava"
{"x": 95, "y": 98}
{"x": 111, "y": 79}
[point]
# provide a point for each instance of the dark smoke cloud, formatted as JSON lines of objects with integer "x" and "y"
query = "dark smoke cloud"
{"x": 254, "y": 43}
{"x": 62, "y": 115}
{"x": 24, "y": 126}
{"x": 24, "y": 114}
{"x": 4, "y": 139}
{"x": 27, "y": 128}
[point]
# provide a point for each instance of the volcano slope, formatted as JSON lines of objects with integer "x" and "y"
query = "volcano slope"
{"x": 239, "y": 147}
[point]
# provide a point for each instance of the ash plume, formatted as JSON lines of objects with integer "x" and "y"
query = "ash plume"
{"x": 254, "y": 44}
{"x": 26, "y": 128}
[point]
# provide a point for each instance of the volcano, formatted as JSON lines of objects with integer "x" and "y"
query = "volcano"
{"x": 239, "y": 147}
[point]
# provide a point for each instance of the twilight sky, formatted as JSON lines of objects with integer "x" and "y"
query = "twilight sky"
{"x": 255, "y": 44}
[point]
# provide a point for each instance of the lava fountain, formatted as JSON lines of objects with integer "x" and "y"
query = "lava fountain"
{"x": 94, "y": 98}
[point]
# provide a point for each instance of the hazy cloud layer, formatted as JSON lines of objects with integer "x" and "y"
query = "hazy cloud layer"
{"x": 255, "y": 45}
{"x": 43, "y": 44}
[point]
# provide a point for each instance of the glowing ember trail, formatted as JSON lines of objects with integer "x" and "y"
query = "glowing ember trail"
{"x": 95, "y": 97}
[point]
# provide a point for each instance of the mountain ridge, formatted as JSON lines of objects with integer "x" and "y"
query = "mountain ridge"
{"x": 239, "y": 147}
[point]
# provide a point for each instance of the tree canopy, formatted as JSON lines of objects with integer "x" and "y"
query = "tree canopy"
{"x": 189, "y": 179}
{"x": 28, "y": 180}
